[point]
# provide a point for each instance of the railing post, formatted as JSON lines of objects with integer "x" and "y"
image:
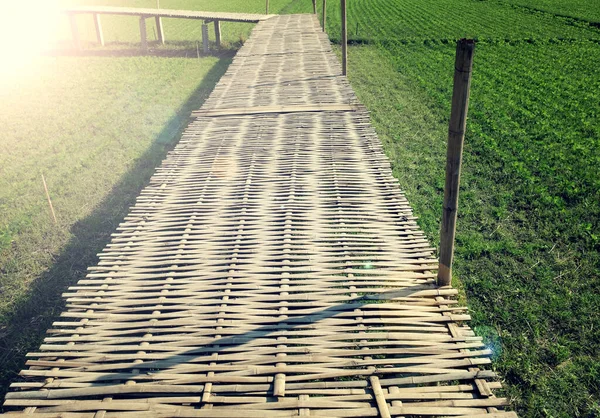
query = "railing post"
{"x": 324, "y": 16}
{"x": 143, "y": 37}
{"x": 75, "y": 31}
{"x": 205, "y": 38}
{"x": 98, "y": 25}
{"x": 344, "y": 39}
{"x": 218, "y": 33}
{"x": 159, "y": 30}
{"x": 456, "y": 136}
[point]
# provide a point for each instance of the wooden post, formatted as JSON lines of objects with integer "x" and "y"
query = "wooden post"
{"x": 314, "y": 7}
{"x": 218, "y": 33}
{"x": 344, "y": 39}
{"x": 324, "y": 16}
{"x": 74, "y": 31}
{"x": 98, "y": 24}
{"x": 267, "y": 7}
{"x": 159, "y": 30}
{"x": 456, "y": 136}
{"x": 205, "y": 38}
{"x": 143, "y": 38}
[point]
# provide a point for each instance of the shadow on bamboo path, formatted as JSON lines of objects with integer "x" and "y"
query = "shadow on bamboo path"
{"x": 25, "y": 329}
{"x": 247, "y": 345}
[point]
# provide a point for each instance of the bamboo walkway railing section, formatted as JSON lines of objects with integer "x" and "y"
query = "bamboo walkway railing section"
{"x": 272, "y": 268}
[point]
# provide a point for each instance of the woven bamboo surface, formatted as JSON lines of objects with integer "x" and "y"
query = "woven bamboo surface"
{"x": 182, "y": 14}
{"x": 272, "y": 268}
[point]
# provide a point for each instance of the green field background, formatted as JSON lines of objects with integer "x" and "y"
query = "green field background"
{"x": 97, "y": 123}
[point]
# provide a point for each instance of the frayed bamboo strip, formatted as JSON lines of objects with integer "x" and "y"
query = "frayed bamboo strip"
{"x": 49, "y": 201}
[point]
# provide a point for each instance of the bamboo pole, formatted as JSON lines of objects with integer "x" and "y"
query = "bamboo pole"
{"x": 143, "y": 37}
{"x": 344, "y": 39}
{"x": 456, "y": 135}
{"x": 217, "y": 24}
{"x": 160, "y": 30}
{"x": 205, "y": 38}
{"x": 49, "y": 201}
{"x": 75, "y": 31}
{"x": 324, "y": 16}
{"x": 98, "y": 25}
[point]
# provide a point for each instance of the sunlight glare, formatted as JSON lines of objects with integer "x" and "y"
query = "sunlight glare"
{"x": 29, "y": 28}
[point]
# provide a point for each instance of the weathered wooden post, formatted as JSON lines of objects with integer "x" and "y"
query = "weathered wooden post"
{"x": 159, "y": 30}
{"x": 324, "y": 16}
{"x": 456, "y": 135}
{"x": 205, "y": 38}
{"x": 344, "y": 39}
{"x": 218, "y": 33}
{"x": 143, "y": 37}
{"x": 314, "y": 7}
{"x": 74, "y": 31}
{"x": 267, "y": 7}
{"x": 98, "y": 24}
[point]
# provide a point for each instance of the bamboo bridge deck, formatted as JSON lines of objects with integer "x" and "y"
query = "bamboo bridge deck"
{"x": 170, "y": 13}
{"x": 272, "y": 268}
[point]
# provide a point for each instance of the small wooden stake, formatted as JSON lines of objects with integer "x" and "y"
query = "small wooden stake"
{"x": 456, "y": 136}
{"x": 218, "y": 33}
{"x": 198, "y": 49}
{"x": 267, "y": 7}
{"x": 74, "y": 31}
{"x": 98, "y": 24}
{"x": 160, "y": 30}
{"x": 314, "y": 6}
{"x": 205, "y": 38}
{"x": 324, "y": 16}
{"x": 344, "y": 39}
{"x": 143, "y": 37}
{"x": 49, "y": 201}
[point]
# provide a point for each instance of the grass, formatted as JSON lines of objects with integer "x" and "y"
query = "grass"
{"x": 528, "y": 246}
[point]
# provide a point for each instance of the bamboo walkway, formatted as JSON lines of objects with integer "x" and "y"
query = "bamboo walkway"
{"x": 272, "y": 268}
{"x": 170, "y": 13}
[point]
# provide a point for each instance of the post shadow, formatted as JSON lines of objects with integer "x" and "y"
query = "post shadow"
{"x": 26, "y": 328}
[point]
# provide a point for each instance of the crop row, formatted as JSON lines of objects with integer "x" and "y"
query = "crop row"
{"x": 587, "y": 10}
{"x": 415, "y": 20}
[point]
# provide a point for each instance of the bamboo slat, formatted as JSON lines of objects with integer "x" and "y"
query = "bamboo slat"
{"x": 272, "y": 268}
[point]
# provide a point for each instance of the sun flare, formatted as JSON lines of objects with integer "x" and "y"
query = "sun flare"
{"x": 29, "y": 29}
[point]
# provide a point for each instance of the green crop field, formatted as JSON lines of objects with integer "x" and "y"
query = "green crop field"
{"x": 528, "y": 240}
